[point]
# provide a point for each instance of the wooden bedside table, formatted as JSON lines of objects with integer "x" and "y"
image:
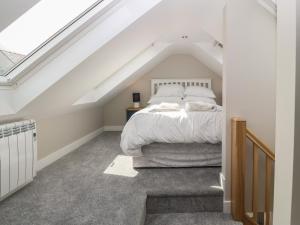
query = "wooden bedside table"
{"x": 130, "y": 111}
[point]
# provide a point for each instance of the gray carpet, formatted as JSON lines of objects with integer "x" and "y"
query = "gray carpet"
{"x": 184, "y": 204}
{"x": 204, "y": 218}
{"x": 79, "y": 189}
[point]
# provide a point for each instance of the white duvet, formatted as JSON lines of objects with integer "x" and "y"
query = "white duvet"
{"x": 176, "y": 126}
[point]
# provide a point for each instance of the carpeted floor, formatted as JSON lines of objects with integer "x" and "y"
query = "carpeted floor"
{"x": 204, "y": 218}
{"x": 85, "y": 187}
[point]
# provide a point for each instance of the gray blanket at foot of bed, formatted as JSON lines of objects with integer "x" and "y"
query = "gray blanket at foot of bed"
{"x": 179, "y": 155}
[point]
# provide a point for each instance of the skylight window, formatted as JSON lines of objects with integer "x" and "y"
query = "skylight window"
{"x": 35, "y": 27}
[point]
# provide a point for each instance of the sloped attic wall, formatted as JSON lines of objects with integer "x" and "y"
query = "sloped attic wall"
{"x": 175, "y": 66}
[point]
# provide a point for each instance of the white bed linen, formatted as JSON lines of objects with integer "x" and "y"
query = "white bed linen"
{"x": 146, "y": 127}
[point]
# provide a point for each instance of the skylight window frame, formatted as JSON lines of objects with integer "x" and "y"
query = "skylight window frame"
{"x": 30, "y": 61}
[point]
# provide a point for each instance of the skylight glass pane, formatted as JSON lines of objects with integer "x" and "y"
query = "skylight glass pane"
{"x": 35, "y": 27}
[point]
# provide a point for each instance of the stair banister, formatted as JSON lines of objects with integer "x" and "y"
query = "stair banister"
{"x": 239, "y": 152}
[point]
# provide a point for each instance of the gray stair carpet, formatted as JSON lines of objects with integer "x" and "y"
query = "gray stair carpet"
{"x": 184, "y": 204}
{"x": 96, "y": 185}
{"x": 204, "y": 218}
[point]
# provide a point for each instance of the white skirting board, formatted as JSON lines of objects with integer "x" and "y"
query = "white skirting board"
{"x": 227, "y": 207}
{"x": 226, "y": 204}
{"x": 113, "y": 128}
{"x": 42, "y": 163}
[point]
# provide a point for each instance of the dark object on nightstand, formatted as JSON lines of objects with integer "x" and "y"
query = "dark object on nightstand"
{"x": 136, "y": 99}
{"x": 130, "y": 111}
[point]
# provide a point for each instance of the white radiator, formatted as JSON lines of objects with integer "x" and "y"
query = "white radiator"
{"x": 18, "y": 156}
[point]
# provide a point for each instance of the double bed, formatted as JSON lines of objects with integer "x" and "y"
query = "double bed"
{"x": 176, "y": 131}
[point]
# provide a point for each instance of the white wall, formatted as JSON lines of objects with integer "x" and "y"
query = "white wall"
{"x": 249, "y": 78}
{"x": 287, "y": 183}
{"x": 57, "y": 131}
{"x": 175, "y": 66}
{"x": 296, "y": 166}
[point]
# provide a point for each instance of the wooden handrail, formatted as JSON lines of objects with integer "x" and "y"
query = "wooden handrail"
{"x": 263, "y": 147}
{"x": 239, "y": 163}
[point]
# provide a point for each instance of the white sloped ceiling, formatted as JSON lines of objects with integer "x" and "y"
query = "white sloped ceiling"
{"x": 88, "y": 70}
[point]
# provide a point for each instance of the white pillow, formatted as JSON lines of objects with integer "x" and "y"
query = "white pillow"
{"x": 199, "y": 99}
{"x": 170, "y": 91}
{"x": 199, "y": 91}
{"x": 157, "y": 100}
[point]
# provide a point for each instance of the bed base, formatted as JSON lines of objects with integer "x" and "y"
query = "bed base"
{"x": 162, "y": 155}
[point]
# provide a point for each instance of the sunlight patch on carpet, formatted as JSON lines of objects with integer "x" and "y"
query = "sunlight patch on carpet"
{"x": 122, "y": 166}
{"x": 217, "y": 187}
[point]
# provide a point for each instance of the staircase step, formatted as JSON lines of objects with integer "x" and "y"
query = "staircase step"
{"x": 204, "y": 218}
{"x": 184, "y": 204}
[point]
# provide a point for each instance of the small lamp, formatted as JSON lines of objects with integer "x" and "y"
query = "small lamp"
{"x": 136, "y": 98}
